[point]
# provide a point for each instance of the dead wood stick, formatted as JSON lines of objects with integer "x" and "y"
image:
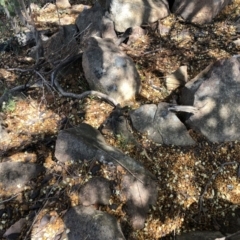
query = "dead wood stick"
{"x": 9, "y": 199}
{"x": 182, "y": 108}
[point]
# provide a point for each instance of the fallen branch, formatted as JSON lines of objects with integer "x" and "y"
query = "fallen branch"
{"x": 9, "y": 199}
{"x": 44, "y": 80}
{"x": 182, "y": 108}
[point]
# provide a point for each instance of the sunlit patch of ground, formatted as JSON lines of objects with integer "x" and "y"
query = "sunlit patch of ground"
{"x": 27, "y": 122}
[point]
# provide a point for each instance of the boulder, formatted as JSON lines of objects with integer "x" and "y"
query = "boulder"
{"x": 232, "y": 225}
{"x": 4, "y": 135}
{"x": 161, "y": 125}
{"x": 61, "y": 45}
{"x": 162, "y": 29}
{"x": 198, "y": 12}
{"x": 63, "y": 4}
{"x": 89, "y": 22}
{"x": 95, "y": 22}
{"x": 237, "y": 42}
{"x": 139, "y": 196}
{"x": 95, "y": 191}
{"x": 215, "y": 94}
{"x": 136, "y": 34}
{"x": 15, "y": 175}
{"x": 44, "y": 225}
{"x": 200, "y": 235}
{"x": 127, "y": 13}
{"x": 15, "y": 230}
{"x": 138, "y": 184}
{"x": 84, "y": 142}
{"x": 177, "y": 79}
{"x": 109, "y": 70}
{"x": 107, "y": 29}
{"x": 88, "y": 223}
{"x": 207, "y": 235}
{"x": 237, "y": 25}
{"x": 117, "y": 125}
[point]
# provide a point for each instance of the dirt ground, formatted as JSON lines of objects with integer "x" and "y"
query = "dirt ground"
{"x": 198, "y": 187}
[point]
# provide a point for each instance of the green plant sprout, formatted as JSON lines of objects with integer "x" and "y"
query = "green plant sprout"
{"x": 9, "y": 106}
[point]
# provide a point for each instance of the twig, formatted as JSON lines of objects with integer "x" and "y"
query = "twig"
{"x": 20, "y": 69}
{"x": 229, "y": 237}
{"x": 153, "y": 51}
{"x": 9, "y": 199}
{"x": 182, "y": 108}
{"x": 200, "y": 202}
{"x": 88, "y": 26}
{"x": 35, "y": 219}
{"x": 44, "y": 80}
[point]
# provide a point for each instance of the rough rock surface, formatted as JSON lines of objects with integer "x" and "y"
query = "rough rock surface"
{"x": 237, "y": 24}
{"x": 234, "y": 223}
{"x": 95, "y": 191}
{"x": 215, "y": 93}
{"x": 62, "y": 44}
{"x": 160, "y": 125}
{"x": 127, "y": 13}
{"x": 87, "y": 223}
{"x": 139, "y": 196}
{"x": 89, "y": 22}
{"x": 199, "y": 12}
{"x": 237, "y": 42}
{"x": 137, "y": 33}
{"x": 107, "y": 30}
{"x": 94, "y": 22}
{"x": 62, "y": 4}
{"x": 3, "y": 132}
{"x": 177, "y": 78}
{"x": 85, "y": 142}
{"x": 118, "y": 125}
{"x": 44, "y": 222}
{"x": 200, "y": 235}
{"x": 14, "y": 175}
{"x": 109, "y": 70}
{"x": 14, "y": 231}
